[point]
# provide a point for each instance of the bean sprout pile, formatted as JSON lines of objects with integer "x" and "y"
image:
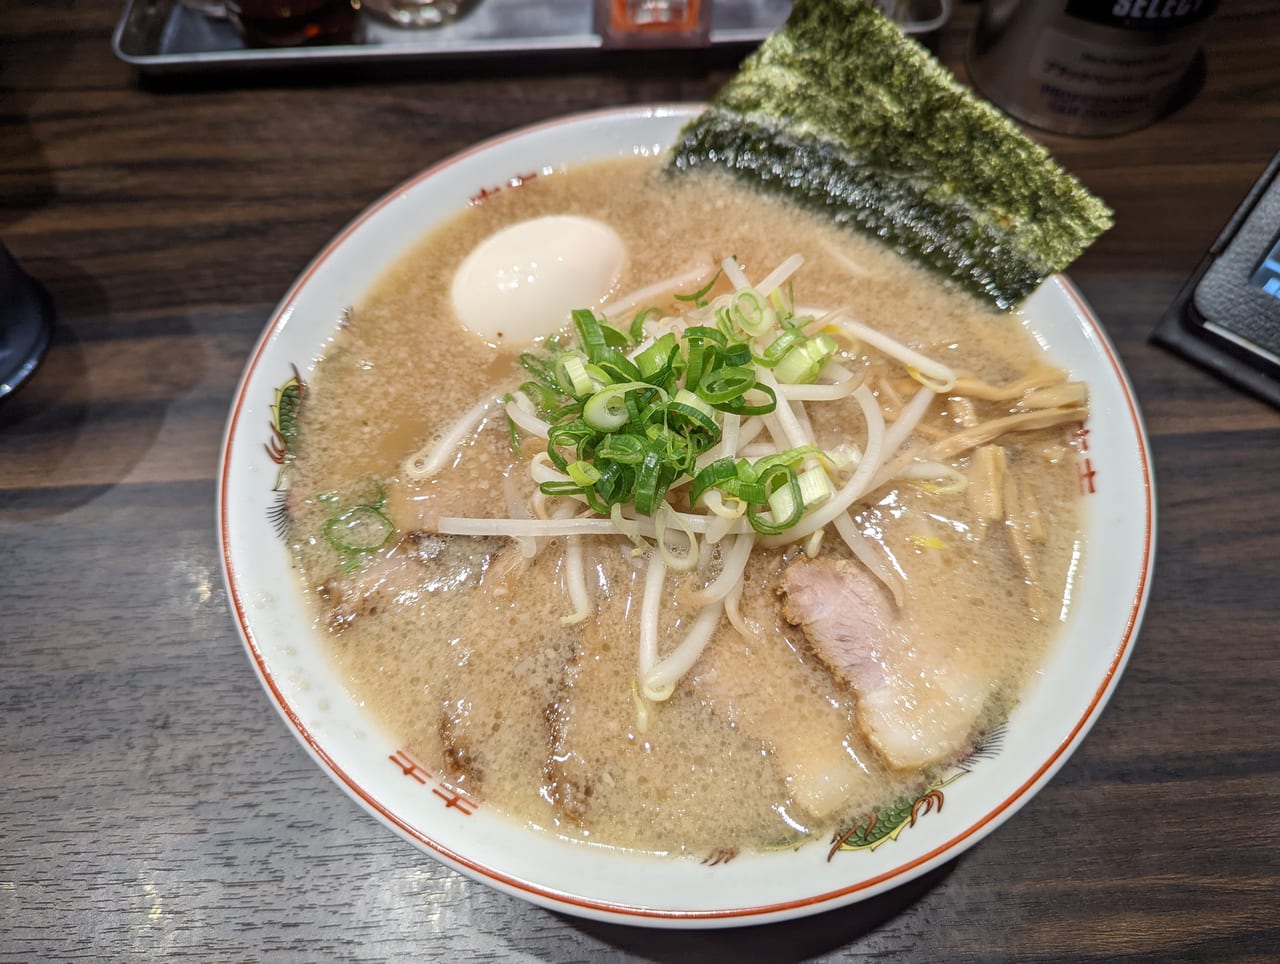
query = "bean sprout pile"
{"x": 689, "y": 433}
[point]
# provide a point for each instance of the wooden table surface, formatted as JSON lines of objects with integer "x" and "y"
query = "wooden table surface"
{"x": 152, "y": 805}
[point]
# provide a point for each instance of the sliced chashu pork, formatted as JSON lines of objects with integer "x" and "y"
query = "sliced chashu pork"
{"x": 585, "y": 730}
{"x": 654, "y": 773}
{"x": 568, "y": 783}
{"x": 419, "y": 562}
{"x": 918, "y": 701}
{"x": 500, "y": 680}
{"x": 810, "y": 740}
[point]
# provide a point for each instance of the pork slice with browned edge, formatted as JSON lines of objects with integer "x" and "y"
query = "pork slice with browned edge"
{"x": 918, "y": 699}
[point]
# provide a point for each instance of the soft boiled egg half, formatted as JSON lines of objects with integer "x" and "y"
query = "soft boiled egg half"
{"x": 524, "y": 281}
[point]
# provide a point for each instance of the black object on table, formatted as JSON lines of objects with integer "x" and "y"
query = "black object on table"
{"x": 1227, "y": 316}
{"x": 26, "y": 323}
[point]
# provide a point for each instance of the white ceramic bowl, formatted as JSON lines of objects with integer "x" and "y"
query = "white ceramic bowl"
{"x": 366, "y": 761}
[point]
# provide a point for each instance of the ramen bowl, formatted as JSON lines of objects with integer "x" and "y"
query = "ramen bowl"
{"x": 909, "y": 838}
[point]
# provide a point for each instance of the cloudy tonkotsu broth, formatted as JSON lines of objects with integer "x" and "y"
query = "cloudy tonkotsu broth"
{"x": 459, "y": 648}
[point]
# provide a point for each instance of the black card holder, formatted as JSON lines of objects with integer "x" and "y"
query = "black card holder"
{"x": 1227, "y": 316}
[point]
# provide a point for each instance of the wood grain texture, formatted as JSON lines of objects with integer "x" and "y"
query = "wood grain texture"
{"x": 151, "y": 804}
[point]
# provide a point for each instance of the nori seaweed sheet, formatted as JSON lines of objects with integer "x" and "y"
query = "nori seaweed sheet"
{"x": 842, "y": 113}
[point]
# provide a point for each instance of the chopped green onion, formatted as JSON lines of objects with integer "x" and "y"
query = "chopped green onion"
{"x": 747, "y": 492}
{"x": 637, "y": 323}
{"x": 727, "y": 385}
{"x": 539, "y": 369}
{"x": 815, "y": 487}
{"x": 606, "y": 410}
{"x": 736, "y": 355}
{"x": 544, "y": 398}
{"x": 583, "y": 473}
{"x": 572, "y": 374}
{"x": 796, "y": 368}
{"x": 621, "y": 448}
{"x": 657, "y": 362}
{"x": 779, "y": 347}
{"x": 749, "y": 310}
{"x": 784, "y": 305}
{"x": 742, "y": 406}
{"x": 792, "y": 457}
{"x": 706, "y": 333}
{"x": 649, "y": 488}
{"x": 775, "y": 479}
{"x": 615, "y": 338}
{"x": 812, "y": 488}
{"x": 721, "y": 470}
{"x": 701, "y": 354}
{"x": 616, "y": 366}
{"x": 699, "y": 297}
{"x": 616, "y": 481}
{"x": 561, "y": 487}
{"x": 782, "y": 503}
{"x": 361, "y": 528}
{"x": 822, "y": 344}
{"x": 625, "y": 429}
{"x": 695, "y": 411}
{"x": 573, "y": 436}
{"x": 590, "y": 334}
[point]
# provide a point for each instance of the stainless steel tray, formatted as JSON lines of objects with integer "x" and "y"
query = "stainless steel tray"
{"x": 163, "y": 36}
